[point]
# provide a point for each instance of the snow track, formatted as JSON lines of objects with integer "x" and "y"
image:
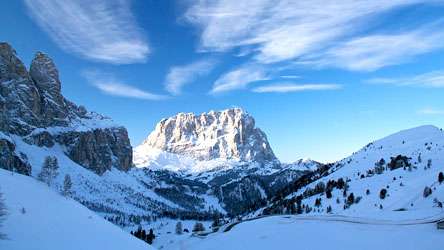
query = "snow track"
{"x": 340, "y": 218}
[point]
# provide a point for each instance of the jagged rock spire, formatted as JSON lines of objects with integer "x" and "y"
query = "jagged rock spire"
{"x": 19, "y": 97}
{"x": 31, "y": 102}
{"x": 46, "y": 76}
{"x": 10, "y": 66}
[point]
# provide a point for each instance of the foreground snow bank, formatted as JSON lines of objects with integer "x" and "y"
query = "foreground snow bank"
{"x": 39, "y": 218}
{"x": 290, "y": 232}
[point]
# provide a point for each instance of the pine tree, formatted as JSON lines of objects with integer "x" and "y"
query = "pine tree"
{"x": 198, "y": 227}
{"x": 150, "y": 237}
{"x": 179, "y": 227}
{"x": 318, "y": 202}
{"x": 382, "y": 193}
{"x": 49, "y": 170}
{"x": 67, "y": 185}
{"x": 216, "y": 221}
{"x": 429, "y": 163}
{"x": 340, "y": 183}
{"x": 329, "y": 209}
{"x": 427, "y": 192}
{"x": 328, "y": 194}
{"x": 2, "y": 215}
{"x": 351, "y": 199}
{"x": 143, "y": 235}
{"x": 344, "y": 193}
{"x": 299, "y": 208}
{"x": 440, "y": 177}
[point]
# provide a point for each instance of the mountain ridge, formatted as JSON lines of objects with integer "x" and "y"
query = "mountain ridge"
{"x": 33, "y": 107}
{"x": 226, "y": 134}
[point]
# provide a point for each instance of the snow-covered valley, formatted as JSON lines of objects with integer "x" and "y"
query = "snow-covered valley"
{"x": 199, "y": 181}
{"x": 320, "y": 232}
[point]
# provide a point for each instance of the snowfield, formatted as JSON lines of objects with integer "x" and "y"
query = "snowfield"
{"x": 299, "y": 232}
{"x": 51, "y": 221}
{"x": 405, "y": 187}
{"x": 41, "y": 219}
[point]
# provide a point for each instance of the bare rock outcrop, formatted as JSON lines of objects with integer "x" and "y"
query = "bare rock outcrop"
{"x": 228, "y": 134}
{"x": 32, "y": 106}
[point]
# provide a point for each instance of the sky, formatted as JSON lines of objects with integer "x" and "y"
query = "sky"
{"x": 321, "y": 78}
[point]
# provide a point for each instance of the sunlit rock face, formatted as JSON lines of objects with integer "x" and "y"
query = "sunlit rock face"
{"x": 227, "y": 134}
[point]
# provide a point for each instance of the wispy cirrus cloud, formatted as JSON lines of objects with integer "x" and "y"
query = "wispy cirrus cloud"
{"x": 290, "y": 76}
{"x": 431, "y": 111}
{"x": 97, "y": 30}
{"x": 239, "y": 78}
{"x": 179, "y": 76}
{"x": 373, "y": 52}
{"x": 283, "y": 30}
{"x": 293, "y": 87}
{"x": 108, "y": 84}
{"x": 434, "y": 79}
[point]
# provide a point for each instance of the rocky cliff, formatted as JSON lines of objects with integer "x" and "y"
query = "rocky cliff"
{"x": 33, "y": 109}
{"x": 228, "y": 134}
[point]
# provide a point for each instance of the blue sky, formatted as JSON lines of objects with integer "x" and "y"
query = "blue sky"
{"x": 321, "y": 79}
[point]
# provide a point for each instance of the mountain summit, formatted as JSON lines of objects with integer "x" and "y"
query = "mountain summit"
{"x": 227, "y": 134}
{"x": 33, "y": 109}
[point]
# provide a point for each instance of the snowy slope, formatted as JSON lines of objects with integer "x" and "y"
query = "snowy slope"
{"x": 156, "y": 159}
{"x": 114, "y": 191}
{"x": 294, "y": 232}
{"x": 404, "y": 188}
{"x": 51, "y": 221}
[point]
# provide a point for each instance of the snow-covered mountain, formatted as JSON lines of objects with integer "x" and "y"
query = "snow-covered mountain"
{"x": 223, "y": 151}
{"x": 40, "y": 219}
{"x": 200, "y": 166}
{"x": 227, "y": 134}
{"x": 229, "y": 163}
{"x": 33, "y": 107}
{"x": 396, "y": 176}
{"x": 37, "y": 122}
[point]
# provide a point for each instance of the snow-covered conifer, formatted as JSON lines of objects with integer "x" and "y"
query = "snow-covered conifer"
{"x": 67, "y": 185}
{"x": 2, "y": 214}
{"x": 49, "y": 170}
{"x": 179, "y": 227}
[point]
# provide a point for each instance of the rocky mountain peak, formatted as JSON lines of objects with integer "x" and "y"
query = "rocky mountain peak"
{"x": 227, "y": 134}
{"x": 46, "y": 76}
{"x": 10, "y": 66}
{"x": 33, "y": 107}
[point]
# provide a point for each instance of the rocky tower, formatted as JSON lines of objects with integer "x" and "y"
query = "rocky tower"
{"x": 228, "y": 134}
{"x": 33, "y": 107}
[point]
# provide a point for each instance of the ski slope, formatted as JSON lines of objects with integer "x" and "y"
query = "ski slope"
{"x": 41, "y": 219}
{"x": 404, "y": 199}
{"x": 299, "y": 232}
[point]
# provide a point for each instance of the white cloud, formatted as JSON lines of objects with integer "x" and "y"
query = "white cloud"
{"x": 431, "y": 111}
{"x": 98, "y": 30}
{"x": 434, "y": 79}
{"x": 376, "y": 51}
{"x": 179, "y": 76}
{"x": 291, "y": 87}
{"x": 239, "y": 78}
{"x": 108, "y": 84}
{"x": 290, "y": 76}
{"x": 280, "y": 30}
